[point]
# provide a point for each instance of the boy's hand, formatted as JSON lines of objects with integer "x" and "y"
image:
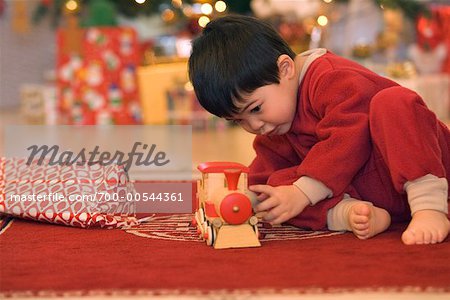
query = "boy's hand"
{"x": 281, "y": 203}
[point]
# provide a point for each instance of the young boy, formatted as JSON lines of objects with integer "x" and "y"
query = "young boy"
{"x": 329, "y": 132}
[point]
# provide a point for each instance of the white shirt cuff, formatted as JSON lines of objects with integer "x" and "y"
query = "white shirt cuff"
{"x": 427, "y": 192}
{"x": 313, "y": 189}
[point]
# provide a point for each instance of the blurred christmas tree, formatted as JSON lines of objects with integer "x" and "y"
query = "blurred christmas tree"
{"x": 100, "y": 13}
{"x": 411, "y": 8}
{"x": 104, "y": 12}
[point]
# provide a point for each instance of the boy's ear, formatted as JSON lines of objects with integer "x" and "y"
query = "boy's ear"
{"x": 286, "y": 66}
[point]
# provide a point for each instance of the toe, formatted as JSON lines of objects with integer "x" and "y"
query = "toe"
{"x": 361, "y": 226}
{"x": 362, "y": 234}
{"x": 441, "y": 235}
{"x": 362, "y": 210}
{"x": 408, "y": 237}
{"x": 419, "y": 237}
{"x": 427, "y": 235}
{"x": 358, "y": 219}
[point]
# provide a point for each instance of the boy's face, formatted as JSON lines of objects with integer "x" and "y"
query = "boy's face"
{"x": 270, "y": 109}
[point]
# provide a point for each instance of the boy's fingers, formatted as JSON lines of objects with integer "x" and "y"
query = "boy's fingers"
{"x": 262, "y": 197}
{"x": 268, "y": 217}
{"x": 273, "y": 214}
{"x": 266, "y": 205}
{"x": 261, "y": 188}
{"x": 261, "y": 214}
{"x": 280, "y": 219}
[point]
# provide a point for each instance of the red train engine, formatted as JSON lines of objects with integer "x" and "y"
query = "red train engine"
{"x": 224, "y": 216}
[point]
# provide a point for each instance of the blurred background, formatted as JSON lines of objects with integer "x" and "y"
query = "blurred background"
{"x": 87, "y": 62}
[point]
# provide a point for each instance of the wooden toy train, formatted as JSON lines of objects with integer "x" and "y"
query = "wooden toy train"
{"x": 224, "y": 216}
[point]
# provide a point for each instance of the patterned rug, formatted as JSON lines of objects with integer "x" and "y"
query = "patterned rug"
{"x": 164, "y": 257}
{"x": 179, "y": 228}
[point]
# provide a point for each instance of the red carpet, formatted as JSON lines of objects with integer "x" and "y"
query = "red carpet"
{"x": 165, "y": 254}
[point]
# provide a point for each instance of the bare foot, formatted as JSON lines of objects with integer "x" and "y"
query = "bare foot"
{"x": 426, "y": 227}
{"x": 366, "y": 220}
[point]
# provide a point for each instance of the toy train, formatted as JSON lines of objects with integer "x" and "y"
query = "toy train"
{"x": 224, "y": 216}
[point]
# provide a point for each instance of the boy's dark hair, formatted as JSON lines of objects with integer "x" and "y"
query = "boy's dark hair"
{"x": 233, "y": 57}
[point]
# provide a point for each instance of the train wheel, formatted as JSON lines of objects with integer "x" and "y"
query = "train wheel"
{"x": 200, "y": 230}
{"x": 201, "y": 215}
{"x": 211, "y": 236}
{"x": 197, "y": 224}
{"x": 200, "y": 223}
{"x": 197, "y": 218}
{"x": 205, "y": 226}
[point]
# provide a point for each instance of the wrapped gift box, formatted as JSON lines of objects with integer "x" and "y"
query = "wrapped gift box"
{"x": 80, "y": 195}
{"x": 97, "y": 78}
